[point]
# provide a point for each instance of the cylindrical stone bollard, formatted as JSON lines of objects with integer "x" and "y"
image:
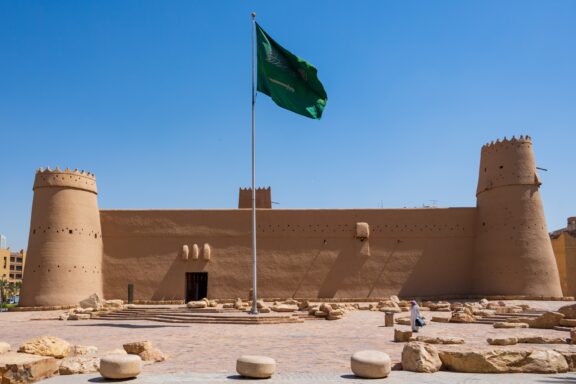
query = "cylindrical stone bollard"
{"x": 388, "y": 319}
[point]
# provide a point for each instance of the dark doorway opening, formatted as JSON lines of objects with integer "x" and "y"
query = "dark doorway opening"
{"x": 196, "y": 286}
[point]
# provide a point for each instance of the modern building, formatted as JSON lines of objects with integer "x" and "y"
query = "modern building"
{"x": 500, "y": 247}
{"x": 12, "y": 265}
{"x": 564, "y": 245}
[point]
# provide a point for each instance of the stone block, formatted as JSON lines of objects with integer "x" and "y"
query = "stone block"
{"x": 255, "y": 367}
{"x": 401, "y": 336}
{"x": 502, "y": 340}
{"x": 420, "y": 357}
{"x": 21, "y": 368}
{"x": 370, "y": 364}
{"x": 510, "y": 325}
{"x": 47, "y": 346}
{"x": 120, "y": 366}
{"x": 74, "y": 365}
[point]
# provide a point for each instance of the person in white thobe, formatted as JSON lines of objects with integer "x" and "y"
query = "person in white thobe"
{"x": 414, "y": 314}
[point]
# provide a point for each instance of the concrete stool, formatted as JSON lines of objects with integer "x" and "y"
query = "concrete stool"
{"x": 255, "y": 367}
{"x": 371, "y": 364}
{"x": 120, "y": 366}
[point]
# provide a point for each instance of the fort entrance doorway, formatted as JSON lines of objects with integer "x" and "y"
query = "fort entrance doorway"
{"x": 196, "y": 285}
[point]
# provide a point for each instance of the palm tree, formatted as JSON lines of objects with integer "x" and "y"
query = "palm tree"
{"x": 3, "y": 289}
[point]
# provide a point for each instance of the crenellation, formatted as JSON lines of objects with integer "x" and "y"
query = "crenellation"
{"x": 65, "y": 178}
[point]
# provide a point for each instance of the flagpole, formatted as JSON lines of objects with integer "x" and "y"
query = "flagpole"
{"x": 254, "y": 310}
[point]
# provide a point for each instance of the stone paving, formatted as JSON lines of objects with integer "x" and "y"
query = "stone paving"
{"x": 396, "y": 377}
{"x": 312, "y": 347}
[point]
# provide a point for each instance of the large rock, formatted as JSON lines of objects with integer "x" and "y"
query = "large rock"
{"x": 533, "y": 339}
{"x": 335, "y": 314}
{"x": 74, "y": 365}
{"x": 79, "y": 316}
{"x": 4, "y": 347}
{"x": 120, "y": 366}
{"x": 568, "y": 322}
{"x": 547, "y": 320}
{"x": 462, "y": 317}
{"x": 145, "y": 350}
{"x": 401, "y": 336}
{"x": 92, "y": 301}
{"x": 570, "y": 359}
{"x": 439, "y": 340}
{"x": 504, "y": 361}
{"x": 420, "y": 357}
{"x": 284, "y": 308}
{"x": 510, "y": 325}
{"x": 544, "y": 362}
{"x": 402, "y": 321}
{"x": 114, "y": 304}
{"x": 46, "y": 346}
{"x": 370, "y": 364}
{"x": 569, "y": 311}
{"x": 197, "y": 304}
{"x": 76, "y": 350}
{"x": 21, "y": 368}
{"x": 502, "y": 340}
{"x": 255, "y": 367}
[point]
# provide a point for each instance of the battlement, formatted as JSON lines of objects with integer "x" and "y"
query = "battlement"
{"x": 263, "y": 198}
{"x": 507, "y": 143}
{"x": 65, "y": 178}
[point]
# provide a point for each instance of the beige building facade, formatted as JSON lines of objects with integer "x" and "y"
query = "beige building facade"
{"x": 499, "y": 247}
{"x": 564, "y": 246}
{"x": 12, "y": 265}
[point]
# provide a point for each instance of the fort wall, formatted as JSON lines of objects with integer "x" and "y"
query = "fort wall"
{"x": 499, "y": 247}
{"x": 301, "y": 253}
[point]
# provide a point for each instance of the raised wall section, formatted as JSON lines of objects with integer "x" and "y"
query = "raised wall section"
{"x": 301, "y": 253}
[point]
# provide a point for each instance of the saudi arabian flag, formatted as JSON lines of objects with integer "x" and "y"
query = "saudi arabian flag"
{"x": 289, "y": 80}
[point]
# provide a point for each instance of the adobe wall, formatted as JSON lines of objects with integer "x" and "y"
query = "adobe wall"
{"x": 301, "y": 253}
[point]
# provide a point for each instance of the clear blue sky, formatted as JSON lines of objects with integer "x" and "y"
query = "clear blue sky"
{"x": 154, "y": 97}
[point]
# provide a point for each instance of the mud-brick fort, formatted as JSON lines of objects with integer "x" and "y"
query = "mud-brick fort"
{"x": 499, "y": 247}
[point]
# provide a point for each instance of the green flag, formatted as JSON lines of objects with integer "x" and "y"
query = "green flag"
{"x": 289, "y": 80}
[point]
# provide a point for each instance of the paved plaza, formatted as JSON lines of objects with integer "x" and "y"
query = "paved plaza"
{"x": 313, "y": 351}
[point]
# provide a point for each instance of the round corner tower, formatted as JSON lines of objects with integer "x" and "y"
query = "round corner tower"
{"x": 64, "y": 261}
{"x": 513, "y": 251}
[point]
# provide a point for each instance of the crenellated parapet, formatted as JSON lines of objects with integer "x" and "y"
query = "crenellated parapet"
{"x": 507, "y": 162}
{"x": 65, "y": 178}
{"x": 506, "y": 143}
{"x": 263, "y": 198}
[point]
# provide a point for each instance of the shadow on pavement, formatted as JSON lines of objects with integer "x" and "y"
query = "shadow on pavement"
{"x": 238, "y": 377}
{"x": 351, "y": 377}
{"x": 558, "y": 380}
{"x": 131, "y": 326}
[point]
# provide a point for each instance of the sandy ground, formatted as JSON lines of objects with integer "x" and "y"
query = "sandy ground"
{"x": 315, "y": 346}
